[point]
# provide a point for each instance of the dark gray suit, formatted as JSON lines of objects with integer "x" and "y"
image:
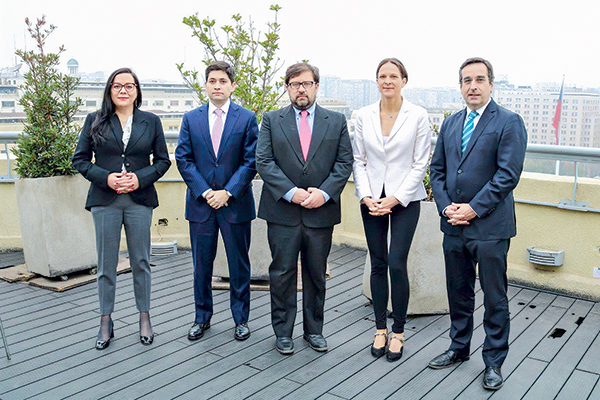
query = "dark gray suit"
{"x": 484, "y": 176}
{"x": 293, "y": 229}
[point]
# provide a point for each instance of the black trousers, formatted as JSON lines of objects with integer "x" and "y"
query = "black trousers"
{"x": 313, "y": 245}
{"x": 462, "y": 255}
{"x": 403, "y": 222}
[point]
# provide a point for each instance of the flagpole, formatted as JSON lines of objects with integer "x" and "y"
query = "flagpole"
{"x": 557, "y": 126}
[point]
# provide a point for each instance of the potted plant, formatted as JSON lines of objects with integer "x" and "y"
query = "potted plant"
{"x": 57, "y": 233}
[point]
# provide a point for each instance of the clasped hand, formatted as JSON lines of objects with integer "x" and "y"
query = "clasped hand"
{"x": 459, "y": 213}
{"x": 309, "y": 198}
{"x": 380, "y": 207}
{"x": 217, "y": 198}
{"x": 123, "y": 182}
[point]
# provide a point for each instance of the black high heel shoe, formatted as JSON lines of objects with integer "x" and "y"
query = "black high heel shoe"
{"x": 146, "y": 340}
{"x": 393, "y": 356}
{"x": 379, "y": 351}
{"x": 102, "y": 344}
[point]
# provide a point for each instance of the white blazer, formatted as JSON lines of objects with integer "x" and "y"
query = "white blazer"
{"x": 401, "y": 163}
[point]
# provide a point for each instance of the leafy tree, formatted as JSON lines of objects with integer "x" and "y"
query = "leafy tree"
{"x": 252, "y": 55}
{"x": 46, "y": 145}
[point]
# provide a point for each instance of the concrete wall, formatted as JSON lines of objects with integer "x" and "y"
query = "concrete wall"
{"x": 575, "y": 232}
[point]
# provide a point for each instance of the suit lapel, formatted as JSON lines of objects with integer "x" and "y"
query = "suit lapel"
{"x": 138, "y": 127}
{"x": 376, "y": 124}
{"x": 290, "y": 131}
{"x": 486, "y": 117}
{"x": 458, "y": 133}
{"x": 400, "y": 120}
{"x": 204, "y": 130}
{"x": 320, "y": 126}
{"x": 230, "y": 121}
{"x": 115, "y": 127}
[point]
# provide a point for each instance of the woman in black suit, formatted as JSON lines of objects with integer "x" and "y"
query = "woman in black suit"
{"x": 121, "y": 139}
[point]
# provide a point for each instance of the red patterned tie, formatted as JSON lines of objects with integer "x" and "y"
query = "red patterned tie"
{"x": 305, "y": 133}
{"x": 217, "y": 131}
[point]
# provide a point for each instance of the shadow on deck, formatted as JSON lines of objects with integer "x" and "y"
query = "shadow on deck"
{"x": 554, "y": 351}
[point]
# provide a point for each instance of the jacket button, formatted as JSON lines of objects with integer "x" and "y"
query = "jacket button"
{"x": 460, "y": 171}
{"x": 127, "y": 165}
{"x": 216, "y": 164}
{"x": 122, "y": 155}
{"x": 457, "y": 191}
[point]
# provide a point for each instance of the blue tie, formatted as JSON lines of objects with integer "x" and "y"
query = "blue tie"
{"x": 468, "y": 130}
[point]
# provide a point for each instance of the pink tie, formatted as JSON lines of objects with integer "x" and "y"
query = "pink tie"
{"x": 305, "y": 134}
{"x": 217, "y": 131}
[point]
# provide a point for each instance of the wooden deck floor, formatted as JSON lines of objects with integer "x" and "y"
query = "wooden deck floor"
{"x": 554, "y": 353}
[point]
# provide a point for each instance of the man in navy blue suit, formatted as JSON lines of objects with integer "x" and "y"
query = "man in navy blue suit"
{"x": 216, "y": 157}
{"x": 476, "y": 165}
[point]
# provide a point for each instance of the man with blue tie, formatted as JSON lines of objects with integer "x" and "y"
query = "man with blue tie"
{"x": 216, "y": 158}
{"x": 477, "y": 163}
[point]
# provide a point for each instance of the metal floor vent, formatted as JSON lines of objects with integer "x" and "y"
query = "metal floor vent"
{"x": 164, "y": 249}
{"x": 545, "y": 257}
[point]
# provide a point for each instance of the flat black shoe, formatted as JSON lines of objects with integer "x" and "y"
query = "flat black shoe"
{"x": 284, "y": 345}
{"x": 447, "y": 359}
{"x": 392, "y": 356}
{"x": 242, "y": 332}
{"x": 316, "y": 341}
{"x": 102, "y": 344}
{"x": 197, "y": 330}
{"x": 492, "y": 378}
{"x": 379, "y": 351}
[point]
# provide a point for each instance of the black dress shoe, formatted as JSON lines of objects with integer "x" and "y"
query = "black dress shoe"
{"x": 492, "y": 378}
{"x": 379, "y": 351}
{"x": 197, "y": 330}
{"x": 284, "y": 345}
{"x": 102, "y": 344}
{"x": 447, "y": 359}
{"x": 393, "y": 356}
{"x": 242, "y": 332}
{"x": 316, "y": 341}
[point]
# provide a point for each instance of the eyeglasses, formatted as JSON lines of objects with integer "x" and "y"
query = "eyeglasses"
{"x": 305, "y": 85}
{"x": 128, "y": 87}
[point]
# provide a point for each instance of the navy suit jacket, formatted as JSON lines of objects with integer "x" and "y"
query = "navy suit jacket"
{"x": 281, "y": 165}
{"x": 484, "y": 176}
{"x": 232, "y": 169}
{"x": 147, "y": 138}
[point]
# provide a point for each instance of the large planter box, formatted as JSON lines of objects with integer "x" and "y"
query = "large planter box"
{"x": 426, "y": 270}
{"x": 260, "y": 253}
{"x": 57, "y": 232}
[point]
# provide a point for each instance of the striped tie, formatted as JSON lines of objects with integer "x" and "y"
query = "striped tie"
{"x": 468, "y": 130}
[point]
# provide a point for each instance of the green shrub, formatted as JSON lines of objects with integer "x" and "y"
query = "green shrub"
{"x": 49, "y": 137}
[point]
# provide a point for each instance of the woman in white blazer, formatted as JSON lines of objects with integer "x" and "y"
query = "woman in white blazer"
{"x": 391, "y": 146}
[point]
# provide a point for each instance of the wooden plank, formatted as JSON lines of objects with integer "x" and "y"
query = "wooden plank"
{"x": 276, "y": 390}
{"x": 557, "y": 373}
{"x": 579, "y": 386}
{"x": 550, "y": 345}
{"x": 454, "y": 380}
{"x": 517, "y": 384}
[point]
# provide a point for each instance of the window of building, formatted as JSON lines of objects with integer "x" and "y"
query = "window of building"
{"x": 174, "y": 102}
{"x": 145, "y": 103}
{"x": 189, "y": 103}
{"x": 8, "y": 104}
{"x": 159, "y": 103}
{"x": 90, "y": 103}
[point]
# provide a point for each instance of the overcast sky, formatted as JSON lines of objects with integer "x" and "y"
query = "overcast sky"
{"x": 531, "y": 41}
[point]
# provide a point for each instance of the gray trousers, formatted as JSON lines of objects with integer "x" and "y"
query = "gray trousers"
{"x": 108, "y": 221}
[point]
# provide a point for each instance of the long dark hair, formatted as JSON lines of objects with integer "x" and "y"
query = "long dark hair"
{"x": 102, "y": 121}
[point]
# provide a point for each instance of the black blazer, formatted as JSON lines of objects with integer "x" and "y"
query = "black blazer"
{"x": 280, "y": 163}
{"x": 147, "y": 138}
{"x": 484, "y": 175}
